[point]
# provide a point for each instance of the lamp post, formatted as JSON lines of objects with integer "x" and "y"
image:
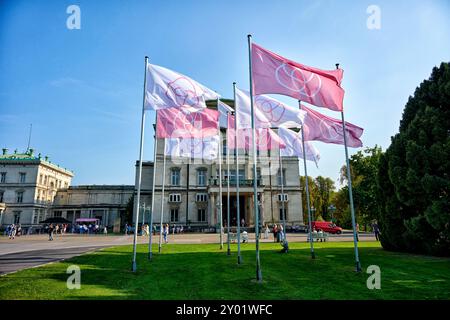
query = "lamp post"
{"x": 332, "y": 209}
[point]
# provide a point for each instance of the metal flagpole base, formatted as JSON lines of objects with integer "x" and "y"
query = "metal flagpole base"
{"x": 239, "y": 259}
{"x": 133, "y": 266}
{"x": 258, "y": 275}
{"x": 159, "y": 250}
{"x": 358, "y": 266}
{"x": 150, "y": 256}
{"x": 228, "y": 252}
{"x": 313, "y": 255}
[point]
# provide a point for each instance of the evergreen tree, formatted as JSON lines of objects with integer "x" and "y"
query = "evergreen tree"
{"x": 413, "y": 175}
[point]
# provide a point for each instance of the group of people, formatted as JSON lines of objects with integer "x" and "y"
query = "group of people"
{"x": 278, "y": 232}
{"x": 89, "y": 229}
{"x": 13, "y": 230}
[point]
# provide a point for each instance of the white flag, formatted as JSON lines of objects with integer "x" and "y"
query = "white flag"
{"x": 168, "y": 89}
{"x": 293, "y": 142}
{"x": 269, "y": 112}
{"x": 206, "y": 148}
{"x": 224, "y": 109}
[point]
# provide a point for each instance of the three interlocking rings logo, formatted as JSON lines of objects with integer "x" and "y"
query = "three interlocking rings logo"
{"x": 303, "y": 82}
{"x": 331, "y": 131}
{"x": 185, "y": 92}
{"x": 273, "y": 111}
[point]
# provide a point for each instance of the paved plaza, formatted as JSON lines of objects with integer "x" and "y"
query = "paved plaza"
{"x": 34, "y": 250}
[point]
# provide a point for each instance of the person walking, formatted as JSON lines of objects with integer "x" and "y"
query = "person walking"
{"x": 126, "y": 228}
{"x": 281, "y": 234}
{"x": 376, "y": 230}
{"x": 50, "y": 232}
{"x": 357, "y": 231}
{"x": 275, "y": 232}
{"x": 166, "y": 233}
{"x": 266, "y": 232}
{"x": 12, "y": 231}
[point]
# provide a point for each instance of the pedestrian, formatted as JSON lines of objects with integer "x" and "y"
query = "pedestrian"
{"x": 12, "y": 231}
{"x": 126, "y": 228}
{"x": 19, "y": 230}
{"x": 357, "y": 231}
{"x": 105, "y": 231}
{"x": 275, "y": 232}
{"x": 166, "y": 233}
{"x": 266, "y": 232}
{"x": 242, "y": 222}
{"x": 50, "y": 232}
{"x": 281, "y": 233}
{"x": 376, "y": 230}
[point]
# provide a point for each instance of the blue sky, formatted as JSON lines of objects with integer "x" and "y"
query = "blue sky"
{"x": 82, "y": 89}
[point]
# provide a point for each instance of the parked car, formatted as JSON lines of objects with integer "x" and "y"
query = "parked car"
{"x": 326, "y": 226}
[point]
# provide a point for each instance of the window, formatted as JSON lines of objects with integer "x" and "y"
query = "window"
{"x": 173, "y": 215}
{"x": 45, "y": 180}
{"x": 201, "y": 177}
{"x": 1, "y": 195}
{"x": 22, "y": 177}
{"x": 233, "y": 175}
{"x": 224, "y": 147}
{"x": 35, "y": 216}
{"x": 201, "y": 197}
{"x": 17, "y": 217}
{"x": 40, "y": 178}
{"x": 57, "y": 214}
{"x": 66, "y": 185}
{"x": 283, "y": 197}
{"x": 19, "y": 197}
{"x": 175, "y": 197}
{"x": 283, "y": 215}
{"x": 2, "y": 177}
{"x": 279, "y": 177}
{"x": 175, "y": 177}
{"x": 201, "y": 215}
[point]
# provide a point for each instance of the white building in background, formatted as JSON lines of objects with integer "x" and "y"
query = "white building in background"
{"x": 28, "y": 185}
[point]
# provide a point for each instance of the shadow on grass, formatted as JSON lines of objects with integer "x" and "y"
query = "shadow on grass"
{"x": 190, "y": 272}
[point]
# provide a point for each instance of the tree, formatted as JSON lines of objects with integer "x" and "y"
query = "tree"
{"x": 128, "y": 216}
{"x": 320, "y": 191}
{"x": 324, "y": 190}
{"x": 414, "y": 174}
{"x": 364, "y": 170}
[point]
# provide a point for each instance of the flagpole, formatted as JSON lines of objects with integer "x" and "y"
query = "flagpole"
{"x": 162, "y": 197}
{"x": 282, "y": 194}
{"x": 255, "y": 190}
{"x": 313, "y": 256}
{"x": 350, "y": 194}
{"x": 236, "y": 149}
{"x": 141, "y": 153}
{"x": 220, "y": 184}
{"x": 152, "y": 208}
{"x": 228, "y": 191}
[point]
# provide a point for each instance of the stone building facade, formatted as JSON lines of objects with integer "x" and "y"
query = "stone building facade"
{"x": 192, "y": 188}
{"x": 28, "y": 186}
{"x": 107, "y": 203}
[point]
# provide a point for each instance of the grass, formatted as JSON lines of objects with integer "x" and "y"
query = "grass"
{"x": 202, "y": 271}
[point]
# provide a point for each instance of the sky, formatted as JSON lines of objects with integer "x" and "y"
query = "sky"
{"x": 81, "y": 89}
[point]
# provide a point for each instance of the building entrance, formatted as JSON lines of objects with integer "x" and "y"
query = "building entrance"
{"x": 233, "y": 209}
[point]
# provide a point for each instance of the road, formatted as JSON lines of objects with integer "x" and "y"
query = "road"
{"x": 34, "y": 250}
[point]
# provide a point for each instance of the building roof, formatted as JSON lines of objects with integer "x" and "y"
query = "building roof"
{"x": 29, "y": 157}
{"x": 102, "y": 187}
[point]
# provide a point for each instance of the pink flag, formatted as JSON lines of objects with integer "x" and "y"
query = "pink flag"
{"x": 266, "y": 138}
{"x": 177, "y": 123}
{"x": 273, "y": 73}
{"x": 320, "y": 127}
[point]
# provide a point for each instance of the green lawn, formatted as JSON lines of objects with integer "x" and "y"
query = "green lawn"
{"x": 202, "y": 271}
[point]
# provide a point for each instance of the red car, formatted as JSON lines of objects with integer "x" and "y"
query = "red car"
{"x": 325, "y": 226}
